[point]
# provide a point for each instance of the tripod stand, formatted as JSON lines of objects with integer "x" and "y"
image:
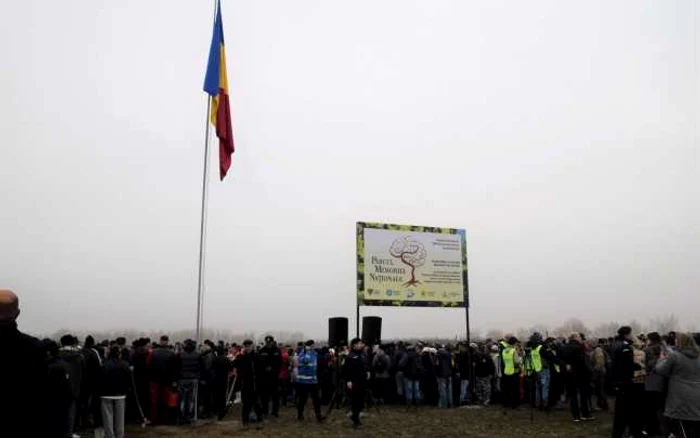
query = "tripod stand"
{"x": 340, "y": 398}
{"x": 228, "y": 403}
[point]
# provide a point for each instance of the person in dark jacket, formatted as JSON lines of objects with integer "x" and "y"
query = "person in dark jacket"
{"x": 398, "y": 356}
{"x": 190, "y": 371}
{"x": 557, "y": 371}
{"x": 89, "y": 397}
{"x": 204, "y": 391}
{"x": 443, "y": 371}
{"x": 355, "y": 374}
{"x": 428, "y": 383}
{"x": 269, "y": 364}
{"x": 116, "y": 384}
{"x": 221, "y": 368}
{"x": 462, "y": 360}
{"x": 58, "y": 392}
{"x": 381, "y": 366}
{"x": 139, "y": 362}
{"x": 627, "y": 399}
{"x": 412, "y": 368}
{"x": 654, "y": 387}
{"x": 23, "y": 375}
{"x": 124, "y": 352}
{"x": 484, "y": 370}
{"x": 578, "y": 378}
{"x": 325, "y": 375}
{"x": 161, "y": 376}
{"x": 73, "y": 357}
{"x": 246, "y": 365}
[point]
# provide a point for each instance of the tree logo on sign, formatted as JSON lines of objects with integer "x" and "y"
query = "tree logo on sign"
{"x": 411, "y": 253}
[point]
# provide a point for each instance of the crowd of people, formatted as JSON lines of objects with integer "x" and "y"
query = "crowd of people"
{"x": 78, "y": 386}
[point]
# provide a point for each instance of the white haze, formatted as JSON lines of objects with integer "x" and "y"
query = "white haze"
{"x": 561, "y": 135}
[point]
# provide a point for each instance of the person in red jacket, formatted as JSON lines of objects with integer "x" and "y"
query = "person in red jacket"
{"x": 161, "y": 370}
{"x": 284, "y": 377}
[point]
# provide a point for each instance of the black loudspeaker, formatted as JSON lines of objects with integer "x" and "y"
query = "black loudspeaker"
{"x": 337, "y": 332}
{"x": 372, "y": 330}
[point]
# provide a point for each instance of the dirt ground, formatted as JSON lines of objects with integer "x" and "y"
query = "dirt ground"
{"x": 403, "y": 422}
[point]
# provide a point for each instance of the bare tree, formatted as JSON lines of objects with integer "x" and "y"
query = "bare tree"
{"x": 523, "y": 334}
{"x": 411, "y": 253}
{"x": 572, "y": 325}
{"x": 494, "y": 335}
{"x": 664, "y": 324}
{"x": 476, "y": 335}
{"x": 637, "y": 327}
{"x": 606, "y": 330}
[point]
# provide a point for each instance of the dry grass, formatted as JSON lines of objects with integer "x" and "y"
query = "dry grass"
{"x": 395, "y": 421}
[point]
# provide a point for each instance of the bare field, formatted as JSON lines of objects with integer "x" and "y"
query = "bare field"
{"x": 404, "y": 422}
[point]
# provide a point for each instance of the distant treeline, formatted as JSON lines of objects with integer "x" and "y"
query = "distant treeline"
{"x": 662, "y": 325}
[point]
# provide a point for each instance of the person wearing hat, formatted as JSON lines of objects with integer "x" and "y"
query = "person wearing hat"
{"x": 270, "y": 363}
{"x": 627, "y": 415}
{"x": 245, "y": 364}
{"x": 307, "y": 381}
{"x": 541, "y": 361}
{"x": 355, "y": 375}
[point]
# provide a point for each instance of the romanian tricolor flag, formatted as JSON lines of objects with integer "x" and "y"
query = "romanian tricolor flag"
{"x": 216, "y": 85}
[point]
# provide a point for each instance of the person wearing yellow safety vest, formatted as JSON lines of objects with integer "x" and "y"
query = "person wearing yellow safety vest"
{"x": 557, "y": 371}
{"x": 541, "y": 359}
{"x": 510, "y": 382}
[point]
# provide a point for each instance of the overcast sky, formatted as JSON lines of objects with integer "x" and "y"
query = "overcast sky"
{"x": 562, "y": 136}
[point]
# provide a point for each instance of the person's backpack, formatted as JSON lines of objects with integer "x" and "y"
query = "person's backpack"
{"x": 418, "y": 370}
{"x": 381, "y": 365}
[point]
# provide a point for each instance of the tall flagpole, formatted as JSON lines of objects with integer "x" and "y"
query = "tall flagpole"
{"x": 202, "y": 239}
{"x": 203, "y": 228}
{"x": 202, "y": 251}
{"x": 203, "y": 220}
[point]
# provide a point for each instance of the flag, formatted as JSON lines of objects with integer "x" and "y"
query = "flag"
{"x": 216, "y": 85}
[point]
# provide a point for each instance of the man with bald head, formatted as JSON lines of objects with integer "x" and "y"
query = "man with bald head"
{"x": 9, "y": 306}
{"x": 23, "y": 374}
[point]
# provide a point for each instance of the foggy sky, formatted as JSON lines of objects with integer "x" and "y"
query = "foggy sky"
{"x": 562, "y": 136}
